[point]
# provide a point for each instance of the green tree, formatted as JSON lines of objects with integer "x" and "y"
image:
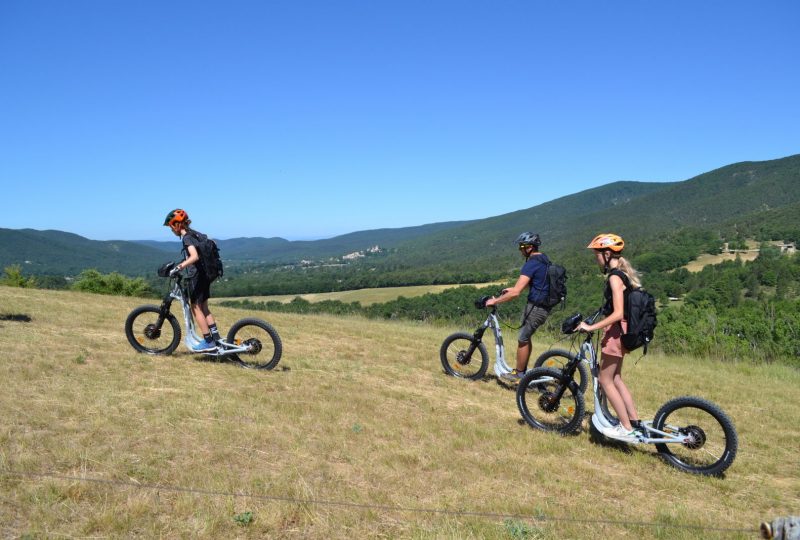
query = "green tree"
{"x": 12, "y": 276}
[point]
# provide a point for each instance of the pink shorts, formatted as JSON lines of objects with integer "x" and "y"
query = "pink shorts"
{"x": 611, "y": 343}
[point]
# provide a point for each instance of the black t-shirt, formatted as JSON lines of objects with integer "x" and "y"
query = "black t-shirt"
{"x": 193, "y": 271}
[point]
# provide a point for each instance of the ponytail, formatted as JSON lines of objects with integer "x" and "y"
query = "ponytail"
{"x": 630, "y": 271}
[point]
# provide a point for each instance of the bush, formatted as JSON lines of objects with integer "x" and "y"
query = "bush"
{"x": 116, "y": 284}
{"x": 13, "y": 278}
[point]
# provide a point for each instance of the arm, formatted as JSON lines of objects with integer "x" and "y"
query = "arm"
{"x": 618, "y": 299}
{"x": 509, "y": 294}
{"x": 191, "y": 259}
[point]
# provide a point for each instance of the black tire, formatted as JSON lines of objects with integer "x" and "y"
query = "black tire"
{"x": 714, "y": 437}
{"x": 535, "y": 393}
{"x": 266, "y": 344}
{"x": 557, "y": 359}
{"x": 458, "y": 362}
{"x": 141, "y": 329}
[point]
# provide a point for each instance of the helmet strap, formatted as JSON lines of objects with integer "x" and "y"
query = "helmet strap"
{"x": 607, "y": 261}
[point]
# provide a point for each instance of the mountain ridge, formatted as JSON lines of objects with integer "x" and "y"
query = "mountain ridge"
{"x": 748, "y": 195}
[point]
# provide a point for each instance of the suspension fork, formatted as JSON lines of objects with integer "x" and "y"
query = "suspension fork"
{"x": 164, "y": 310}
{"x": 477, "y": 337}
{"x": 567, "y": 381}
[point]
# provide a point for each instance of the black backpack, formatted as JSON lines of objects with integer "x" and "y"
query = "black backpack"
{"x": 556, "y": 282}
{"x": 640, "y": 312}
{"x": 210, "y": 262}
{"x": 557, "y": 285}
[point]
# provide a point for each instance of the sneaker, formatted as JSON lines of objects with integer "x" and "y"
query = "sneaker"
{"x": 512, "y": 377}
{"x": 205, "y": 346}
{"x": 619, "y": 433}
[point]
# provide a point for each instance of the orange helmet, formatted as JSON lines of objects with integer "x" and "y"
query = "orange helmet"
{"x": 176, "y": 216}
{"x": 607, "y": 241}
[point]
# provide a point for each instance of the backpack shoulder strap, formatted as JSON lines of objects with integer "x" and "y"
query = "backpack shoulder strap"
{"x": 543, "y": 259}
{"x": 621, "y": 275}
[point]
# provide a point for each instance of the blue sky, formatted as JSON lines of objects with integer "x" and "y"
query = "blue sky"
{"x": 309, "y": 119}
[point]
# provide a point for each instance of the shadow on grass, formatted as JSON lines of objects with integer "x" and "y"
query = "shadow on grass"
{"x": 15, "y": 317}
{"x": 228, "y": 360}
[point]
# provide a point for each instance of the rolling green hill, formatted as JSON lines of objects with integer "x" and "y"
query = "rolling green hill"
{"x": 748, "y": 199}
{"x": 749, "y": 196}
{"x": 67, "y": 254}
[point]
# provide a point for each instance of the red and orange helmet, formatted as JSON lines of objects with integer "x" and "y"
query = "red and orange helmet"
{"x": 176, "y": 216}
{"x": 607, "y": 241}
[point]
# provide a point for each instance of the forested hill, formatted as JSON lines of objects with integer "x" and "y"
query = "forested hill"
{"x": 279, "y": 250}
{"x": 738, "y": 200}
{"x": 748, "y": 199}
{"x": 66, "y": 254}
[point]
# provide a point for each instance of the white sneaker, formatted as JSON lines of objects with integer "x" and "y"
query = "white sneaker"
{"x": 619, "y": 433}
{"x": 608, "y": 431}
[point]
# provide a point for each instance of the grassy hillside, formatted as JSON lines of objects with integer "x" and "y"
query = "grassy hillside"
{"x": 67, "y": 254}
{"x": 356, "y": 434}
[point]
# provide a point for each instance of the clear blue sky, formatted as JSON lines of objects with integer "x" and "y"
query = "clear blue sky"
{"x": 309, "y": 119}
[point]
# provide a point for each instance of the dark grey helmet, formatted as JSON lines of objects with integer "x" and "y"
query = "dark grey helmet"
{"x": 529, "y": 238}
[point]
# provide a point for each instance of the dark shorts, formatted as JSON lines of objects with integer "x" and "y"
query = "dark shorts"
{"x": 532, "y": 318}
{"x": 199, "y": 289}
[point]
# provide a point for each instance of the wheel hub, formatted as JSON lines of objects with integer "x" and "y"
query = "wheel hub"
{"x": 151, "y": 331}
{"x": 462, "y": 358}
{"x": 548, "y": 402}
{"x": 695, "y": 437}
{"x": 253, "y": 345}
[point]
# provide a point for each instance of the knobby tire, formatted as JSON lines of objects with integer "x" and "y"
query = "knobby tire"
{"x": 557, "y": 359}
{"x": 456, "y": 360}
{"x": 716, "y": 438}
{"x": 269, "y": 345}
{"x": 535, "y": 400}
{"x": 141, "y": 322}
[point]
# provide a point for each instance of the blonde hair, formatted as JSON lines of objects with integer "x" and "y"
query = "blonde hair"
{"x": 630, "y": 271}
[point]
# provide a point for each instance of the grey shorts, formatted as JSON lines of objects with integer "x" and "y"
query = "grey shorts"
{"x": 535, "y": 318}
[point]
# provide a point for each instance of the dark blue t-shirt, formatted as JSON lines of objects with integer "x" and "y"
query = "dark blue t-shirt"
{"x": 536, "y": 269}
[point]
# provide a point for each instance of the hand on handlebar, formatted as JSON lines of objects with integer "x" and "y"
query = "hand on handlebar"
{"x": 175, "y": 271}
{"x": 583, "y": 327}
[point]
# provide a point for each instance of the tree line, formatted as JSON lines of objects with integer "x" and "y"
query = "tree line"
{"x": 730, "y": 310}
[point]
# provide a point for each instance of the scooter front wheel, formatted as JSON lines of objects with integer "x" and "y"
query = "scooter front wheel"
{"x": 549, "y": 400}
{"x": 462, "y": 356}
{"x": 148, "y": 333}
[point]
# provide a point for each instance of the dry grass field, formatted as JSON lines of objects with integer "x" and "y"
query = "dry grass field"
{"x": 705, "y": 259}
{"x": 356, "y": 434}
{"x": 365, "y": 296}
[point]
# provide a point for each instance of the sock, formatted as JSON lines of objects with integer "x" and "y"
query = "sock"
{"x": 207, "y": 337}
{"x": 214, "y": 332}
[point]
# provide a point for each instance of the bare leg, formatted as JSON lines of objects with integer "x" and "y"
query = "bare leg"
{"x": 617, "y": 393}
{"x": 202, "y": 317}
{"x": 523, "y": 355}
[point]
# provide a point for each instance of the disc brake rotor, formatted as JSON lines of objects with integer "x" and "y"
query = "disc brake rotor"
{"x": 253, "y": 345}
{"x": 696, "y": 437}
